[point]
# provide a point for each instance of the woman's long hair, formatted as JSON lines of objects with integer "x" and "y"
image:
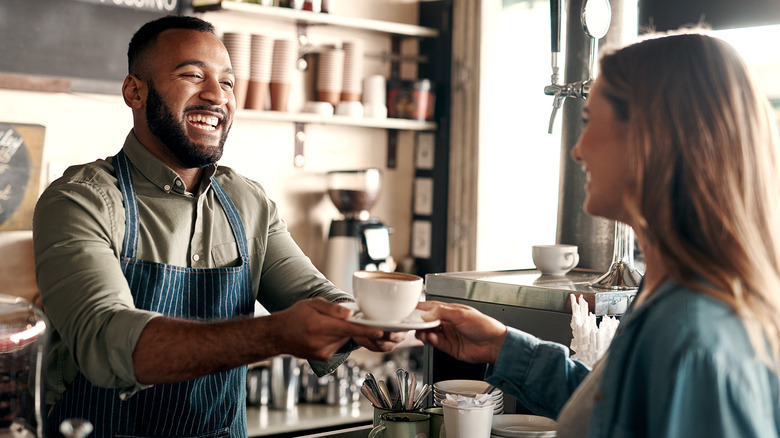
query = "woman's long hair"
{"x": 704, "y": 150}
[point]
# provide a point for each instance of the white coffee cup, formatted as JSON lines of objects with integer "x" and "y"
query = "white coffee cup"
{"x": 386, "y": 296}
{"x": 555, "y": 259}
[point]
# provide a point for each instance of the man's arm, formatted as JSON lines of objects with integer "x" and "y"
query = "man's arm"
{"x": 171, "y": 350}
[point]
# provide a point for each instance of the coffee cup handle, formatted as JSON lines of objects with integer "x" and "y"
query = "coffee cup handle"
{"x": 376, "y": 431}
{"x": 575, "y": 258}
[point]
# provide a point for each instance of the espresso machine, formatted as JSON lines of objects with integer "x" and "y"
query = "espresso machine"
{"x": 356, "y": 241}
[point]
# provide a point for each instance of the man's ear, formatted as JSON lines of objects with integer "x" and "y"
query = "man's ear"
{"x": 134, "y": 92}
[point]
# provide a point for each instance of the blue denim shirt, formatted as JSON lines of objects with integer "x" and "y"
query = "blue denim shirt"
{"x": 680, "y": 365}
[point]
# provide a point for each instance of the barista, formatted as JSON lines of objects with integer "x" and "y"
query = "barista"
{"x": 149, "y": 263}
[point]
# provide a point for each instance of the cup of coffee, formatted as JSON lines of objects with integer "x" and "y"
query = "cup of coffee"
{"x": 386, "y": 296}
{"x": 401, "y": 425}
{"x": 555, "y": 259}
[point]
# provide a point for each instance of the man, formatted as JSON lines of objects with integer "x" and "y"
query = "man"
{"x": 149, "y": 263}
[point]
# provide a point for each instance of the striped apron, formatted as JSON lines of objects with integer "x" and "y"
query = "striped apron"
{"x": 210, "y": 406}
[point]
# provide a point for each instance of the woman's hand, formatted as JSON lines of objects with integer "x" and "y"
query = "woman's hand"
{"x": 465, "y": 333}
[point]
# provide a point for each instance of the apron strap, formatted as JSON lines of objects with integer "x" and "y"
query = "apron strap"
{"x": 130, "y": 242}
{"x": 125, "y": 180}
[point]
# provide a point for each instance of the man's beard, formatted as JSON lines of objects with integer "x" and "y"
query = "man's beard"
{"x": 171, "y": 132}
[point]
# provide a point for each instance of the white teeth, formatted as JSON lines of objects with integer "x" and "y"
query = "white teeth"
{"x": 206, "y": 122}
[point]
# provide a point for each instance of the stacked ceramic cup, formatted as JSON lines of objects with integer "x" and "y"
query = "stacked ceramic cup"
{"x": 260, "y": 71}
{"x": 282, "y": 68}
{"x": 238, "y": 45}
{"x": 330, "y": 74}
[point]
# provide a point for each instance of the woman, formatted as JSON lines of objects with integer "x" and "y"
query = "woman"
{"x": 681, "y": 145}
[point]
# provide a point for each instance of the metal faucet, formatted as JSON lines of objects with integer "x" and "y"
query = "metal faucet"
{"x": 579, "y": 89}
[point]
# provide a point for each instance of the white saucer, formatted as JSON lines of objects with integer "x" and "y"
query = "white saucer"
{"x": 412, "y": 322}
{"x": 522, "y": 426}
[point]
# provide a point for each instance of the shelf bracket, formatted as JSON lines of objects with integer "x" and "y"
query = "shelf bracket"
{"x": 392, "y": 148}
{"x": 300, "y": 139}
{"x": 395, "y": 62}
{"x": 303, "y": 45}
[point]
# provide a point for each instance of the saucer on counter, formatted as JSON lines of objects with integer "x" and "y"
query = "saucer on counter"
{"x": 522, "y": 426}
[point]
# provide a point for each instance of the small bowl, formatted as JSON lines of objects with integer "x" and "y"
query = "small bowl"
{"x": 349, "y": 109}
{"x": 322, "y": 108}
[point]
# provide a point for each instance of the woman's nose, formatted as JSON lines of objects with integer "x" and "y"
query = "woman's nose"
{"x": 575, "y": 152}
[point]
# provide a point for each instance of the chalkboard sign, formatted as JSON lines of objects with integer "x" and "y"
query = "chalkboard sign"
{"x": 85, "y": 39}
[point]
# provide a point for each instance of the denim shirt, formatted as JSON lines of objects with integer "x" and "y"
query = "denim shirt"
{"x": 680, "y": 365}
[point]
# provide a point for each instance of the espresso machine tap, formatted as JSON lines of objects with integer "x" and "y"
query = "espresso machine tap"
{"x": 595, "y": 18}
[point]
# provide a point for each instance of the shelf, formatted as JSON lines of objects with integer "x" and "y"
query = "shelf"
{"x": 301, "y": 119}
{"x": 389, "y": 123}
{"x": 315, "y": 18}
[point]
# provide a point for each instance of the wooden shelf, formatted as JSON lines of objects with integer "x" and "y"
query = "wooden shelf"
{"x": 389, "y": 123}
{"x": 304, "y": 19}
{"x": 315, "y": 18}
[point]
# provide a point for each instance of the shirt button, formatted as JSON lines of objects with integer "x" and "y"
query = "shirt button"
{"x": 178, "y": 183}
{"x": 167, "y": 188}
{"x": 196, "y": 257}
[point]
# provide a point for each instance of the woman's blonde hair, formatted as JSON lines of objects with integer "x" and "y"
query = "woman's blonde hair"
{"x": 706, "y": 188}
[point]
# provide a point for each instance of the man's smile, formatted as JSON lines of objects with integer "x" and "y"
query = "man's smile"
{"x": 203, "y": 121}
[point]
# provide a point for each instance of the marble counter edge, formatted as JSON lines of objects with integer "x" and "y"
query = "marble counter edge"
{"x": 264, "y": 421}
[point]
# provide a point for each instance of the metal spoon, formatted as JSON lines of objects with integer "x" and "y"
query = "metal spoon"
{"x": 372, "y": 384}
{"x": 385, "y": 393}
{"x": 400, "y": 377}
{"x": 410, "y": 393}
{"x": 370, "y": 396}
{"x": 418, "y": 401}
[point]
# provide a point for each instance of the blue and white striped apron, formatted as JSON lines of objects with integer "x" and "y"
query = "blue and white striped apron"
{"x": 208, "y": 406}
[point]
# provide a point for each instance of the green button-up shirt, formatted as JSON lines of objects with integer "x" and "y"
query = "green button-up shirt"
{"x": 78, "y": 228}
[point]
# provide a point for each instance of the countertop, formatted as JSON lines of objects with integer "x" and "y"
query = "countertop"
{"x": 529, "y": 288}
{"x": 264, "y": 421}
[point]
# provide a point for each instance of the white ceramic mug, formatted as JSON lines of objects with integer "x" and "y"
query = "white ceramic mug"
{"x": 555, "y": 259}
{"x": 386, "y": 296}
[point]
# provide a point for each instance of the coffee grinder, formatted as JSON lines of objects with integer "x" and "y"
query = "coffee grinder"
{"x": 356, "y": 241}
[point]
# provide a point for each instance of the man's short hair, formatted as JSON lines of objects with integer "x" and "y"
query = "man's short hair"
{"x": 146, "y": 36}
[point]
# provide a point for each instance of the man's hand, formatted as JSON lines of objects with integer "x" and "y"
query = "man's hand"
{"x": 384, "y": 344}
{"x": 464, "y": 333}
{"x": 315, "y": 329}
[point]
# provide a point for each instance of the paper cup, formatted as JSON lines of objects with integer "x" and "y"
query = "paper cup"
{"x": 475, "y": 422}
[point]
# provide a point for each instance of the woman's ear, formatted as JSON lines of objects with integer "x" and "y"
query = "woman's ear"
{"x": 134, "y": 92}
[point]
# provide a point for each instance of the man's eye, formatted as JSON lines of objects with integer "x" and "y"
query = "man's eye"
{"x": 228, "y": 84}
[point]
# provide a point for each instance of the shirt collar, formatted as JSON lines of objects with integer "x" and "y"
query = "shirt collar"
{"x": 158, "y": 173}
